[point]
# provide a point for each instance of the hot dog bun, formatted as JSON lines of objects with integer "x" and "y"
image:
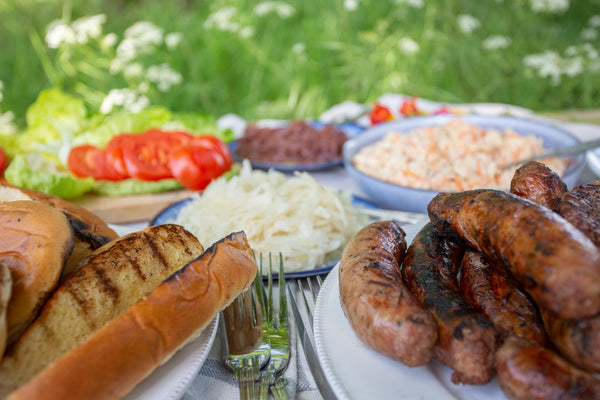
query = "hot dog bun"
{"x": 35, "y": 241}
{"x": 90, "y": 231}
{"x": 112, "y": 279}
{"x": 127, "y": 349}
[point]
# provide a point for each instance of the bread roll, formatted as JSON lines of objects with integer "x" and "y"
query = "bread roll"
{"x": 35, "y": 241}
{"x": 115, "y": 359}
{"x": 113, "y": 278}
{"x": 90, "y": 231}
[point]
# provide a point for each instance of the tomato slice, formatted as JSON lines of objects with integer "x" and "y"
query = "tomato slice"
{"x": 146, "y": 155}
{"x": 2, "y": 160}
{"x": 114, "y": 153}
{"x": 90, "y": 161}
{"x": 197, "y": 163}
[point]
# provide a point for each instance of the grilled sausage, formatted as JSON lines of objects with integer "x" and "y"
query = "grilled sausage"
{"x": 378, "y": 306}
{"x": 466, "y": 340}
{"x": 492, "y": 290}
{"x": 581, "y": 207}
{"x": 578, "y": 340}
{"x": 556, "y": 263}
{"x": 538, "y": 183}
{"x": 527, "y": 371}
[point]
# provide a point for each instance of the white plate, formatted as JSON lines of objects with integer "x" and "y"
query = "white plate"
{"x": 355, "y": 371}
{"x": 171, "y": 380}
{"x": 593, "y": 159}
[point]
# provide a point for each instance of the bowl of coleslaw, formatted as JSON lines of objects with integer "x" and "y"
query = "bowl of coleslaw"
{"x": 403, "y": 164}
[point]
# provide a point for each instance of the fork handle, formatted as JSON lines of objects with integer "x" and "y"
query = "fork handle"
{"x": 246, "y": 380}
{"x": 265, "y": 380}
{"x": 278, "y": 389}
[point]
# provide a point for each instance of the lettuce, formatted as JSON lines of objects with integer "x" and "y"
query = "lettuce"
{"x": 133, "y": 186}
{"x": 33, "y": 171}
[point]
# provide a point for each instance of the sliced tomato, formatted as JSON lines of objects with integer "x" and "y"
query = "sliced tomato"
{"x": 196, "y": 164}
{"x": 211, "y": 141}
{"x": 2, "y": 160}
{"x": 146, "y": 155}
{"x": 114, "y": 153}
{"x": 90, "y": 161}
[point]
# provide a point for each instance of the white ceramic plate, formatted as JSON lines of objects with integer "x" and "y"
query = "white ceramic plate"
{"x": 593, "y": 159}
{"x": 171, "y": 380}
{"x": 355, "y": 371}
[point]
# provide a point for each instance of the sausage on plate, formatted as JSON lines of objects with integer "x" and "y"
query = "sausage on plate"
{"x": 581, "y": 207}
{"x": 378, "y": 306}
{"x": 555, "y": 262}
{"x": 494, "y": 291}
{"x": 527, "y": 371}
{"x": 466, "y": 339}
{"x": 538, "y": 183}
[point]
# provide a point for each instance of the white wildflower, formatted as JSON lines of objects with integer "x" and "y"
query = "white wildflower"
{"x": 497, "y": 42}
{"x": 223, "y": 19}
{"x": 133, "y": 70}
{"x": 594, "y": 21}
{"x": 163, "y": 76}
{"x": 412, "y": 3}
{"x": 351, "y": 5}
{"x": 173, "y": 39}
{"x": 547, "y": 65}
{"x": 109, "y": 40}
{"x": 299, "y": 48}
{"x": 590, "y": 51}
{"x": 7, "y": 125}
{"x": 280, "y": 8}
{"x": 86, "y": 28}
{"x": 468, "y": 23}
{"x": 58, "y": 32}
{"x": 408, "y": 46}
{"x": 573, "y": 66}
{"x": 588, "y": 34}
{"x": 140, "y": 38}
{"x": 549, "y": 6}
{"x": 126, "y": 98}
{"x": 247, "y": 31}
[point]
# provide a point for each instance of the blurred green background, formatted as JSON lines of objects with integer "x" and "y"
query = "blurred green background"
{"x": 297, "y": 58}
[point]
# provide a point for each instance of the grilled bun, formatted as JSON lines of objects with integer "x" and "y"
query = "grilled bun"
{"x": 89, "y": 230}
{"x": 110, "y": 280}
{"x": 121, "y": 354}
{"x": 35, "y": 241}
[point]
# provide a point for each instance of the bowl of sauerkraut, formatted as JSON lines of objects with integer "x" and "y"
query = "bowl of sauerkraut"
{"x": 403, "y": 164}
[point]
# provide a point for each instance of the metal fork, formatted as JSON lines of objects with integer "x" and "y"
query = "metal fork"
{"x": 306, "y": 290}
{"x": 247, "y": 346}
{"x": 279, "y": 335}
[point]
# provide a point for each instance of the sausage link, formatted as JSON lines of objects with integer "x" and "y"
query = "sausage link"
{"x": 538, "y": 183}
{"x": 527, "y": 371}
{"x": 378, "y": 306}
{"x": 497, "y": 294}
{"x": 466, "y": 339}
{"x": 581, "y": 207}
{"x": 555, "y": 262}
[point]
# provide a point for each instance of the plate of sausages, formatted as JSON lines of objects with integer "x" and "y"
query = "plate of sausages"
{"x": 496, "y": 296}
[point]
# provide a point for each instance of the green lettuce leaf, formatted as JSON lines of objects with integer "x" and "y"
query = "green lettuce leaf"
{"x": 33, "y": 171}
{"x": 133, "y": 186}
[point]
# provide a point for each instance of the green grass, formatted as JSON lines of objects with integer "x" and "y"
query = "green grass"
{"x": 349, "y": 55}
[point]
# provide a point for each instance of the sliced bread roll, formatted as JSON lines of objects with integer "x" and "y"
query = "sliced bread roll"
{"x": 113, "y": 278}
{"x": 111, "y": 362}
{"x": 35, "y": 241}
{"x": 90, "y": 231}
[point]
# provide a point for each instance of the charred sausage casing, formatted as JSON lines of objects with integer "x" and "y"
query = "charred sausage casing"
{"x": 466, "y": 339}
{"x": 556, "y": 263}
{"x": 492, "y": 290}
{"x": 378, "y": 306}
{"x": 527, "y": 371}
